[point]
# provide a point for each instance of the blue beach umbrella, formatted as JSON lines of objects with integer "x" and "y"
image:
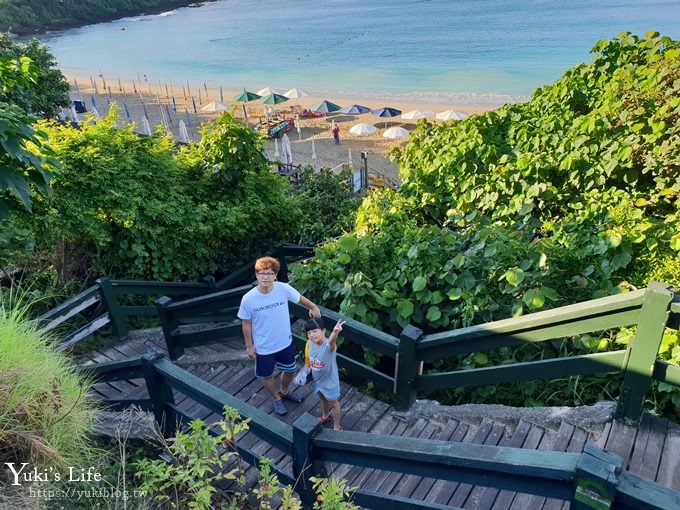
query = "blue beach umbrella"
{"x": 127, "y": 112}
{"x": 326, "y": 107}
{"x": 355, "y": 109}
{"x": 386, "y": 111}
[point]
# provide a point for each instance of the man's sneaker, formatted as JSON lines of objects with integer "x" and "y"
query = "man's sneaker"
{"x": 293, "y": 396}
{"x": 280, "y": 407}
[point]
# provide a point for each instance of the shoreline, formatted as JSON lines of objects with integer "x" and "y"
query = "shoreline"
{"x": 166, "y": 104}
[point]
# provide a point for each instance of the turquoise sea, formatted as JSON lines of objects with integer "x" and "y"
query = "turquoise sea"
{"x": 443, "y": 51}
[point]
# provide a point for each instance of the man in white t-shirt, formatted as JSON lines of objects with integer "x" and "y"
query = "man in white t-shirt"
{"x": 266, "y": 329}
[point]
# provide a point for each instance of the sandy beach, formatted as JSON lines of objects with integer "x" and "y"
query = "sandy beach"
{"x": 165, "y": 104}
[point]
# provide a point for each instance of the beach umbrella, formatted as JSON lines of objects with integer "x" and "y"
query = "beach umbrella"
{"x": 267, "y": 91}
{"x": 286, "y": 154}
{"x": 183, "y": 133}
{"x": 274, "y": 99}
{"x": 386, "y": 111}
{"x": 452, "y": 115}
{"x": 362, "y": 129}
{"x": 417, "y": 114}
{"x": 349, "y": 157}
{"x": 326, "y": 107}
{"x": 127, "y": 111}
{"x": 313, "y": 155}
{"x": 395, "y": 133}
{"x": 355, "y": 109}
{"x": 146, "y": 128}
{"x": 214, "y": 106}
{"x": 246, "y": 96}
{"x": 295, "y": 94}
{"x": 276, "y": 147}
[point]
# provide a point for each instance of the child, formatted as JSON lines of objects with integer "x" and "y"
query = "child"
{"x": 324, "y": 367}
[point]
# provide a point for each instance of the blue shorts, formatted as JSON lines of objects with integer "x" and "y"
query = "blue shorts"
{"x": 283, "y": 361}
{"x": 328, "y": 393}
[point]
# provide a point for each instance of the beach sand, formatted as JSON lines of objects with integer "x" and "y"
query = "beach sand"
{"x": 171, "y": 103}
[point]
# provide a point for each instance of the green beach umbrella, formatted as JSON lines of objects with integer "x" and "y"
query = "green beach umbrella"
{"x": 274, "y": 99}
{"x": 246, "y": 96}
{"x": 326, "y": 107}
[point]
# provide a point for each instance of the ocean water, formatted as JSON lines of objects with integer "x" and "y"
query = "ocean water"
{"x": 441, "y": 51}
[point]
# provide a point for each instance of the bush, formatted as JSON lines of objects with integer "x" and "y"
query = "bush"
{"x": 45, "y": 412}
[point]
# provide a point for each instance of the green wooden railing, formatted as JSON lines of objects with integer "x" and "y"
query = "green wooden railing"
{"x": 651, "y": 310}
{"x": 106, "y": 300}
{"x": 593, "y": 479}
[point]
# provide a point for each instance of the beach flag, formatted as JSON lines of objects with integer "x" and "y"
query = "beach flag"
{"x": 127, "y": 112}
{"x": 194, "y": 103}
{"x": 221, "y": 95}
{"x": 174, "y": 105}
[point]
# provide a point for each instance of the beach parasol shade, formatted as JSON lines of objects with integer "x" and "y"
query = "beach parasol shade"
{"x": 267, "y": 91}
{"x": 355, "y": 109}
{"x": 396, "y": 132}
{"x": 295, "y": 94}
{"x": 362, "y": 129}
{"x": 214, "y": 106}
{"x": 417, "y": 114}
{"x": 246, "y": 96}
{"x": 326, "y": 107}
{"x": 452, "y": 115}
{"x": 386, "y": 111}
{"x": 274, "y": 99}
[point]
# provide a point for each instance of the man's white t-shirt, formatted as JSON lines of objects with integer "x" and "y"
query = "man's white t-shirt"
{"x": 270, "y": 316}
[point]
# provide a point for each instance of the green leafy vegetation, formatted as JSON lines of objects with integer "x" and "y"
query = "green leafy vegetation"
{"x": 133, "y": 207}
{"x": 22, "y": 17}
{"x": 47, "y": 91}
{"x": 571, "y": 196}
{"x": 45, "y": 412}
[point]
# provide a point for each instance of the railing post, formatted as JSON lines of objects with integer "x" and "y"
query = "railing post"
{"x": 642, "y": 351}
{"x": 118, "y": 319}
{"x": 280, "y": 253}
{"x": 169, "y": 327}
{"x": 159, "y": 393}
{"x": 210, "y": 281}
{"x": 304, "y": 463}
{"x": 406, "y": 368}
{"x": 596, "y": 479}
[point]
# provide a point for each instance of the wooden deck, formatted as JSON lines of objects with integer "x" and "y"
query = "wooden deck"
{"x": 650, "y": 449}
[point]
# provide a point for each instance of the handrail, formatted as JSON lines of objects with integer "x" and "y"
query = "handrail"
{"x": 593, "y": 475}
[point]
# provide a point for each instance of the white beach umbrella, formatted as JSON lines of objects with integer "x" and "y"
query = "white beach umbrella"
{"x": 146, "y": 128}
{"x": 214, "y": 106}
{"x": 295, "y": 94}
{"x": 362, "y": 129}
{"x": 350, "y": 157}
{"x": 267, "y": 91}
{"x": 396, "y": 132}
{"x": 183, "y": 133}
{"x": 276, "y": 147}
{"x": 417, "y": 114}
{"x": 452, "y": 115}
{"x": 286, "y": 154}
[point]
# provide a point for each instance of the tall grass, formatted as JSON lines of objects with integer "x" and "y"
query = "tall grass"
{"x": 45, "y": 412}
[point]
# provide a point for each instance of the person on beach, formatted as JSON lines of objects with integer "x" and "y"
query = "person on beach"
{"x": 324, "y": 367}
{"x": 265, "y": 321}
{"x": 336, "y": 135}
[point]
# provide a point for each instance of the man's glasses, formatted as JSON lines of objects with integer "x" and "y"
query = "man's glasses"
{"x": 265, "y": 274}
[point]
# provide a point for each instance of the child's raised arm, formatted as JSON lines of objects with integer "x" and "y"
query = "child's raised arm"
{"x": 334, "y": 335}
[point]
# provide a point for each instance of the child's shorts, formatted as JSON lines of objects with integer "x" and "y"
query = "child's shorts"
{"x": 328, "y": 393}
